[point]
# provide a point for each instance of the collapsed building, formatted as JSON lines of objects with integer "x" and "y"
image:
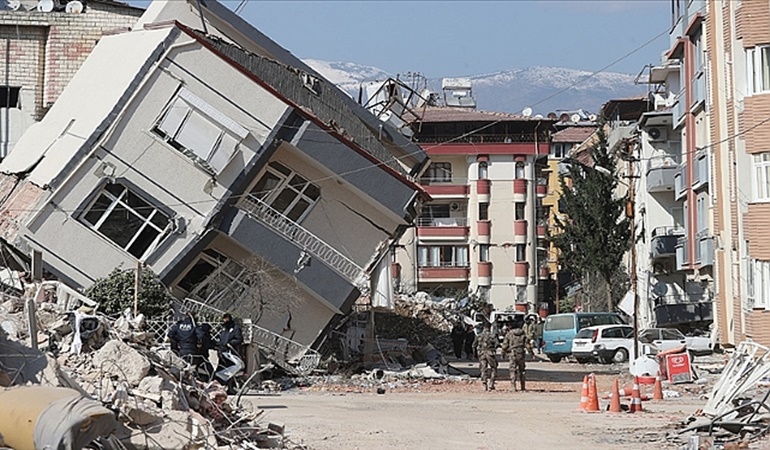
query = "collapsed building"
{"x": 195, "y": 145}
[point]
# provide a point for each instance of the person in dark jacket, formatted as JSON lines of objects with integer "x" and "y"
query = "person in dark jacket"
{"x": 184, "y": 338}
{"x": 458, "y": 339}
{"x": 231, "y": 337}
{"x": 203, "y": 332}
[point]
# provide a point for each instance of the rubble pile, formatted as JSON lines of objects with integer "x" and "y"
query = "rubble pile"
{"x": 419, "y": 319}
{"x": 156, "y": 401}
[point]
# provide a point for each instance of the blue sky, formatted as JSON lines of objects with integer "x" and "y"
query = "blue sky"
{"x": 456, "y": 38}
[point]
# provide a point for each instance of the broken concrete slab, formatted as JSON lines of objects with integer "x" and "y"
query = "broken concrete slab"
{"x": 120, "y": 360}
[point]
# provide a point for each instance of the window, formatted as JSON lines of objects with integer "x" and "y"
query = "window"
{"x": 484, "y": 252}
{"x": 702, "y": 211}
{"x": 483, "y": 211}
{"x": 758, "y": 70}
{"x": 9, "y": 97}
{"x": 126, "y": 219}
{"x": 442, "y": 256}
{"x": 762, "y": 177}
{"x": 483, "y": 171}
{"x": 286, "y": 191}
{"x": 761, "y": 283}
{"x": 438, "y": 172}
{"x": 519, "y": 170}
{"x": 518, "y": 211}
{"x": 200, "y": 131}
{"x": 672, "y": 335}
{"x": 521, "y": 252}
{"x": 214, "y": 277}
{"x": 559, "y": 150}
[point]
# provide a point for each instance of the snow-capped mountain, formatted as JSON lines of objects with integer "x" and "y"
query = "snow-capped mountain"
{"x": 544, "y": 89}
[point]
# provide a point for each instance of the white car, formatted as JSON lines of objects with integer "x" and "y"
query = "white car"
{"x": 605, "y": 343}
{"x": 668, "y": 338}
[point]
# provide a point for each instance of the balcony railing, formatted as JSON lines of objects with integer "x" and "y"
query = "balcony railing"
{"x": 661, "y": 172}
{"x": 664, "y": 241}
{"x": 304, "y": 239}
{"x": 682, "y": 256}
{"x": 700, "y": 170}
{"x": 704, "y": 249}
{"x": 442, "y": 222}
{"x": 680, "y": 182}
{"x": 443, "y": 264}
{"x": 443, "y": 181}
{"x": 679, "y": 109}
{"x": 479, "y": 138}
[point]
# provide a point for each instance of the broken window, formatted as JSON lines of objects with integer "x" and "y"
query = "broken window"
{"x": 286, "y": 191}
{"x": 9, "y": 97}
{"x": 216, "y": 280}
{"x": 200, "y": 131}
{"x": 127, "y": 220}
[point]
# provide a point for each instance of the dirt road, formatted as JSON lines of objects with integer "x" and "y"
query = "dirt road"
{"x": 460, "y": 415}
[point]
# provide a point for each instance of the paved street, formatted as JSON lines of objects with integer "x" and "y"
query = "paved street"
{"x": 459, "y": 415}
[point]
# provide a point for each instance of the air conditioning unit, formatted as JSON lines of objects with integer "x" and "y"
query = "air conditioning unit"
{"x": 657, "y": 134}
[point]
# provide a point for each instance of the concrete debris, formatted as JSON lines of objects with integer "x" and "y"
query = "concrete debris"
{"x": 149, "y": 396}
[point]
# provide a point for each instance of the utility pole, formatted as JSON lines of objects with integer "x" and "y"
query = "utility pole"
{"x": 631, "y": 213}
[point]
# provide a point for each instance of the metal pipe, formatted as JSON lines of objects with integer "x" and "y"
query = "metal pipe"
{"x": 7, "y": 98}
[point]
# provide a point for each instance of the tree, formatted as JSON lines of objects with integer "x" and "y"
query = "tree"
{"x": 115, "y": 293}
{"x": 595, "y": 234}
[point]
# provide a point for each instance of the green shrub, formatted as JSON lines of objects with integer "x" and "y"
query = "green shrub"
{"x": 115, "y": 293}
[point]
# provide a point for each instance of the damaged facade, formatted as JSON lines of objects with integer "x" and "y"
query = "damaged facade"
{"x": 42, "y": 51}
{"x": 209, "y": 156}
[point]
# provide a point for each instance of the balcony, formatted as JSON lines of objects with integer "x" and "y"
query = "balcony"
{"x": 520, "y": 190}
{"x": 482, "y": 138}
{"x": 447, "y": 190}
{"x": 698, "y": 90}
{"x": 484, "y": 228}
{"x": 443, "y": 227}
{"x": 664, "y": 242}
{"x": 520, "y": 273}
{"x": 680, "y": 182}
{"x": 682, "y": 309}
{"x": 542, "y": 231}
{"x": 679, "y": 109}
{"x": 661, "y": 171}
{"x": 303, "y": 239}
{"x": 704, "y": 250}
{"x": 447, "y": 273}
{"x": 541, "y": 189}
{"x": 483, "y": 187}
{"x": 701, "y": 171}
{"x": 682, "y": 256}
{"x": 519, "y": 231}
{"x": 485, "y": 273}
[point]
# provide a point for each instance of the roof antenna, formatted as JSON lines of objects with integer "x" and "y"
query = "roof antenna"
{"x": 203, "y": 19}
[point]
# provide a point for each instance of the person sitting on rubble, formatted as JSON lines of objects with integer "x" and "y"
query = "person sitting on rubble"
{"x": 231, "y": 337}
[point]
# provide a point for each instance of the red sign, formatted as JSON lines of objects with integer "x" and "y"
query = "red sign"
{"x": 678, "y": 368}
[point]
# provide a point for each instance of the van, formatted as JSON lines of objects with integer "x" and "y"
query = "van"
{"x": 560, "y": 329}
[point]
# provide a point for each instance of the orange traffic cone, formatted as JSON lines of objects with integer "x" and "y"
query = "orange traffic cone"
{"x": 636, "y": 400}
{"x": 657, "y": 390}
{"x": 593, "y": 397}
{"x": 584, "y": 394}
{"x": 615, "y": 400}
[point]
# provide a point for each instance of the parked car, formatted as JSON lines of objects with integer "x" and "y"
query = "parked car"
{"x": 605, "y": 343}
{"x": 668, "y": 338}
{"x": 560, "y": 329}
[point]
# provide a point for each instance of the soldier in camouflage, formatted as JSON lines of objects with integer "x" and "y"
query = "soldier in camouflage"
{"x": 516, "y": 345}
{"x": 486, "y": 349}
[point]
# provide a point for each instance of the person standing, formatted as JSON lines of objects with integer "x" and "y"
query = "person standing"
{"x": 231, "y": 336}
{"x": 486, "y": 349}
{"x": 184, "y": 339}
{"x": 458, "y": 338}
{"x": 529, "y": 333}
{"x": 516, "y": 345}
{"x": 539, "y": 335}
{"x": 470, "y": 337}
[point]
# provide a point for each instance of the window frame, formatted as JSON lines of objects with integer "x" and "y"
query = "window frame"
{"x": 222, "y": 148}
{"x": 757, "y": 83}
{"x": 221, "y": 264}
{"x": 761, "y": 178}
{"x": 119, "y": 200}
{"x": 437, "y": 172}
{"x": 432, "y": 256}
{"x": 285, "y": 182}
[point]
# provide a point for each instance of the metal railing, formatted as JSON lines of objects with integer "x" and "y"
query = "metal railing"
{"x": 291, "y": 356}
{"x": 442, "y": 221}
{"x": 443, "y": 265}
{"x": 304, "y": 239}
{"x": 479, "y": 138}
{"x": 667, "y": 231}
{"x": 664, "y": 161}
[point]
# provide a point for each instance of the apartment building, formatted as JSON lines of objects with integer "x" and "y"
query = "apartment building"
{"x": 483, "y": 231}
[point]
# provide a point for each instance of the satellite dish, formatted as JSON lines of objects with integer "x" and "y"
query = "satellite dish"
{"x": 539, "y": 116}
{"x": 563, "y": 117}
{"x": 74, "y": 7}
{"x": 552, "y": 115}
{"x": 45, "y": 6}
{"x": 526, "y": 112}
{"x": 575, "y": 118}
{"x": 592, "y": 117}
{"x": 14, "y": 5}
